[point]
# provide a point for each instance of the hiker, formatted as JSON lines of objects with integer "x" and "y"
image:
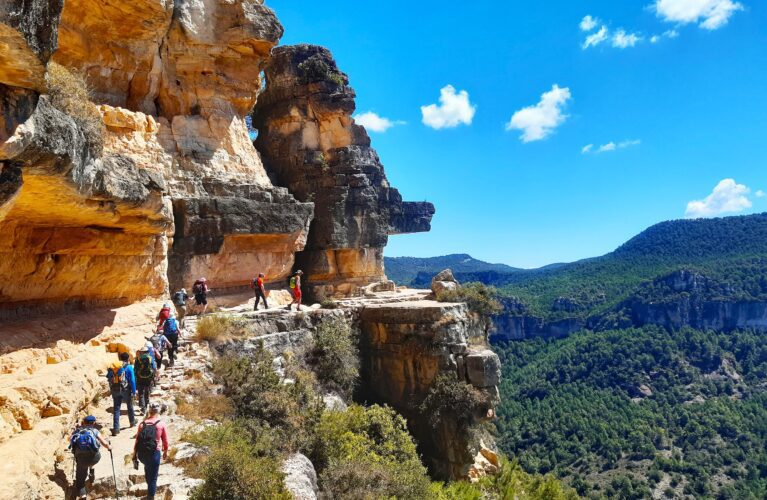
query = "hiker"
{"x": 151, "y": 438}
{"x": 171, "y": 331}
{"x": 295, "y": 288}
{"x": 159, "y": 342}
{"x": 258, "y": 285}
{"x": 180, "y": 299}
{"x": 200, "y": 290}
{"x": 122, "y": 385}
{"x": 85, "y": 443}
{"x": 163, "y": 315}
{"x": 144, "y": 368}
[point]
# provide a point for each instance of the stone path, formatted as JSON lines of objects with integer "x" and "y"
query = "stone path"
{"x": 171, "y": 484}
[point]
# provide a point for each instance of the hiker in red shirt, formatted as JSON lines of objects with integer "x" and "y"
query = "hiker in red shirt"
{"x": 151, "y": 440}
{"x": 258, "y": 286}
{"x": 163, "y": 315}
{"x": 295, "y": 287}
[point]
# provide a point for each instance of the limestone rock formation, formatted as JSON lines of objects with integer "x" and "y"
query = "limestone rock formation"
{"x": 300, "y": 477}
{"x": 311, "y": 145}
{"x": 444, "y": 282}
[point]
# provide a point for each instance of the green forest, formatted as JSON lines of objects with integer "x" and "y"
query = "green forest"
{"x": 629, "y": 413}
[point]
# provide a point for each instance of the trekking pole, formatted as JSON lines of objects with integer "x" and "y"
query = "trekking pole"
{"x": 114, "y": 476}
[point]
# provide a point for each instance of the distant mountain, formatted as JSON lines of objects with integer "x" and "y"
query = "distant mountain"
{"x": 731, "y": 252}
{"x": 405, "y": 270}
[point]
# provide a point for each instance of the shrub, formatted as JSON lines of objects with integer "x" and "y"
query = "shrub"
{"x": 453, "y": 398}
{"x": 205, "y": 407}
{"x": 480, "y": 298}
{"x": 213, "y": 327}
{"x": 235, "y": 470}
{"x": 255, "y": 390}
{"x": 68, "y": 92}
{"x": 368, "y": 453}
{"x": 335, "y": 356}
{"x": 329, "y": 304}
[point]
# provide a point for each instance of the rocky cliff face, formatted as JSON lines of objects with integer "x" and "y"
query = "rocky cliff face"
{"x": 177, "y": 190}
{"x": 311, "y": 145}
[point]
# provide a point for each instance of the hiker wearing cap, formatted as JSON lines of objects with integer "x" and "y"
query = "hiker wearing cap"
{"x": 171, "y": 330}
{"x": 122, "y": 385}
{"x": 159, "y": 343}
{"x": 258, "y": 285}
{"x": 151, "y": 447}
{"x": 295, "y": 288}
{"x": 145, "y": 369}
{"x": 85, "y": 443}
{"x": 163, "y": 315}
{"x": 200, "y": 290}
{"x": 180, "y": 299}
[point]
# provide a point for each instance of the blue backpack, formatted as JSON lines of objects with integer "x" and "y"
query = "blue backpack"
{"x": 170, "y": 327}
{"x": 84, "y": 441}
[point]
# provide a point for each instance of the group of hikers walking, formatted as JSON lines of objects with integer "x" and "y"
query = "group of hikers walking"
{"x": 129, "y": 380}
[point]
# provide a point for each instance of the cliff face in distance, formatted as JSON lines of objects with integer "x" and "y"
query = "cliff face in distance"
{"x": 177, "y": 191}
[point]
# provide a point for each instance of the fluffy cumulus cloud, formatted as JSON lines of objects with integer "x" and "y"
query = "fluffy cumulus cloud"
{"x": 709, "y": 14}
{"x": 760, "y": 194}
{"x": 588, "y": 23}
{"x": 454, "y": 109}
{"x": 596, "y": 38}
{"x": 375, "y": 123}
{"x": 623, "y": 40}
{"x": 727, "y": 197}
{"x": 666, "y": 34}
{"x": 610, "y": 146}
{"x": 539, "y": 121}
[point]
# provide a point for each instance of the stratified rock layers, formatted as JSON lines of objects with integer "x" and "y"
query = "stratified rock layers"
{"x": 312, "y": 145}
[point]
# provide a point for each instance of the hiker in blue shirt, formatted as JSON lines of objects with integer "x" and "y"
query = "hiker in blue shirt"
{"x": 85, "y": 443}
{"x": 122, "y": 385}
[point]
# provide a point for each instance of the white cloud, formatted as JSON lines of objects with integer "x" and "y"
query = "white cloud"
{"x": 375, "y": 123}
{"x": 710, "y": 14}
{"x": 588, "y": 23}
{"x": 760, "y": 194}
{"x": 622, "y": 40}
{"x": 666, "y": 34}
{"x": 454, "y": 109}
{"x": 539, "y": 121}
{"x": 728, "y": 197}
{"x": 611, "y": 146}
{"x": 596, "y": 38}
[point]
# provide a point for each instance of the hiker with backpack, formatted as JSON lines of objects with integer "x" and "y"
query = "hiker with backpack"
{"x": 159, "y": 342}
{"x": 151, "y": 447}
{"x": 258, "y": 286}
{"x": 163, "y": 315}
{"x": 122, "y": 385}
{"x": 145, "y": 368}
{"x": 180, "y": 299}
{"x": 85, "y": 443}
{"x": 295, "y": 288}
{"x": 200, "y": 290}
{"x": 171, "y": 332}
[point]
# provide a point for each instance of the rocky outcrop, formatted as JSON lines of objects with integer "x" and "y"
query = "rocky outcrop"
{"x": 444, "y": 282}
{"x": 406, "y": 347}
{"x": 300, "y": 477}
{"x": 311, "y": 145}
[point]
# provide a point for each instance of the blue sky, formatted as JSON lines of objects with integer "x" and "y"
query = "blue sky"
{"x": 684, "y": 114}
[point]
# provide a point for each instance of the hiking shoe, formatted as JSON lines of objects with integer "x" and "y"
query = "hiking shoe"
{"x": 82, "y": 493}
{"x": 115, "y": 432}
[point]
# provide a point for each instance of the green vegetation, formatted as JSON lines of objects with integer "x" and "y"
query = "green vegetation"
{"x": 449, "y": 397}
{"x": 481, "y": 299}
{"x": 335, "y": 357}
{"x": 413, "y": 271}
{"x": 620, "y": 412}
{"x": 217, "y": 327}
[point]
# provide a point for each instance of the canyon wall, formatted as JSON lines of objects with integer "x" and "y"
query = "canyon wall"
{"x": 311, "y": 144}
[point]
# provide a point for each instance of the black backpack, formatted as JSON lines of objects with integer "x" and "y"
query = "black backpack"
{"x": 144, "y": 369}
{"x": 147, "y": 439}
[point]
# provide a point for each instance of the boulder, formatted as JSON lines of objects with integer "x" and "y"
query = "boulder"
{"x": 300, "y": 477}
{"x": 483, "y": 368}
{"x": 444, "y": 281}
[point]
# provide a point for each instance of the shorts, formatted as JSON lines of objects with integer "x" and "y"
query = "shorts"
{"x": 200, "y": 299}
{"x": 296, "y": 293}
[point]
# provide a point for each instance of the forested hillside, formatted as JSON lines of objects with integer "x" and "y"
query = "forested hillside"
{"x": 406, "y": 270}
{"x": 629, "y": 413}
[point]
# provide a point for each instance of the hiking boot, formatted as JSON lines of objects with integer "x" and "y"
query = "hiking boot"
{"x": 82, "y": 493}
{"x": 115, "y": 432}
